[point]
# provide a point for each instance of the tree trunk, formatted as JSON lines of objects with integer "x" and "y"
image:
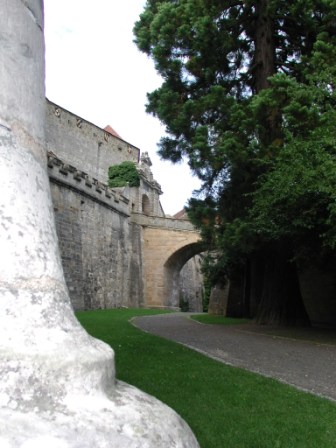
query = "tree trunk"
{"x": 263, "y": 68}
{"x": 318, "y": 288}
{"x": 264, "y": 59}
{"x": 219, "y": 298}
{"x": 281, "y": 301}
{"x": 256, "y": 273}
{"x": 236, "y": 304}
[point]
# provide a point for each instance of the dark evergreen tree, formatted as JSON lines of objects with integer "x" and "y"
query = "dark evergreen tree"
{"x": 230, "y": 99}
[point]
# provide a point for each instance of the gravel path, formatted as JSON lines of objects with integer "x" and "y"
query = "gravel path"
{"x": 310, "y": 366}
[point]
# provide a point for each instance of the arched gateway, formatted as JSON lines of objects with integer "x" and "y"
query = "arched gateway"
{"x": 167, "y": 245}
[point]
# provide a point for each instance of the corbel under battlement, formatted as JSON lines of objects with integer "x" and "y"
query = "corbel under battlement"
{"x": 71, "y": 177}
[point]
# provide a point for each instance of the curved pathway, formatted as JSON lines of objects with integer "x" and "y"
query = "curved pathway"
{"x": 307, "y": 365}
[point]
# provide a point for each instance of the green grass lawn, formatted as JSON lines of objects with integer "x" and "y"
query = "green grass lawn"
{"x": 226, "y": 407}
{"x": 218, "y": 320}
{"x": 315, "y": 334}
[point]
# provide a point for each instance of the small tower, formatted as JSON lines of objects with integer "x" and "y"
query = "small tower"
{"x": 145, "y": 199}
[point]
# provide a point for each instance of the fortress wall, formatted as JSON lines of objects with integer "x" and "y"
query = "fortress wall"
{"x": 100, "y": 249}
{"x": 100, "y": 230}
{"x": 83, "y": 144}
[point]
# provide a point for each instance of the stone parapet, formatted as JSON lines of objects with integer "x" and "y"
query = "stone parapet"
{"x": 162, "y": 222}
{"x": 71, "y": 177}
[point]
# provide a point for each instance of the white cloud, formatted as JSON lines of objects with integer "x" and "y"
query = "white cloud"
{"x": 95, "y": 70}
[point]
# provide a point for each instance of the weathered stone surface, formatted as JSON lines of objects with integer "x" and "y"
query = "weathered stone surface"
{"x": 83, "y": 144}
{"x": 165, "y": 252}
{"x": 57, "y": 384}
{"x": 95, "y": 245}
{"x": 128, "y": 419}
{"x": 102, "y": 244}
{"x": 101, "y": 230}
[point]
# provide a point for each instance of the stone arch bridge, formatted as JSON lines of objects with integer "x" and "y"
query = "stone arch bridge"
{"x": 167, "y": 245}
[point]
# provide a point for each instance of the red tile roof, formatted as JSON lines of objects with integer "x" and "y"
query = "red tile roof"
{"x": 111, "y": 131}
{"x": 182, "y": 214}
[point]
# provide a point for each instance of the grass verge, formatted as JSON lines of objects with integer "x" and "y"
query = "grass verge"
{"x": 218, "y": 320}
{"x": 314, "y": 334}
{"x": 226, "y": 407}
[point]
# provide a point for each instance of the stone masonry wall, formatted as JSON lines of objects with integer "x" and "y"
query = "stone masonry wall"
{"x": 83, "y": 144}
{"x": 100, "y": 249}
{"x": 145, "y": 199}
{"x": 100, "y": 230}
{"x": 165, "y": 251}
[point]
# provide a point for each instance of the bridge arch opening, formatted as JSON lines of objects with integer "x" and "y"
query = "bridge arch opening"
{"x": 172, "y": 276}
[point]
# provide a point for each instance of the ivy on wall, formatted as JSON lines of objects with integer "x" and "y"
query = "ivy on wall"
{"x": 123, "y": 174}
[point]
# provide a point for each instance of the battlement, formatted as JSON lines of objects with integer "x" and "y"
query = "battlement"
{"x": 162, "y": 222}
{"x": 73, "y": 178}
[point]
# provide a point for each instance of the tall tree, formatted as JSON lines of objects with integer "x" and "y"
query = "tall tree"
{"x": 297, "y": 196}
{"x": 217, "y": 60}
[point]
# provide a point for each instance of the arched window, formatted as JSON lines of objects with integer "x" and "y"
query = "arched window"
{"x": 145, "y": 205}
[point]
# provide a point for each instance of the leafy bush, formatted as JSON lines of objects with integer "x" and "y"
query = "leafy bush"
{"x": 123, "y": 174}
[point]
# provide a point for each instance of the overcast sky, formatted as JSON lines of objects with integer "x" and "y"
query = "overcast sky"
{"x": 94, "y": 70}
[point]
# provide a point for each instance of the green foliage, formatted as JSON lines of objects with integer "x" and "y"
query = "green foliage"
{"x": 206, "y": 52}
{"x": 123, "y": 174}
{"x": 248, "y": 97}
{"x": 296, "y": 197}
{"x": 224, "y": 406}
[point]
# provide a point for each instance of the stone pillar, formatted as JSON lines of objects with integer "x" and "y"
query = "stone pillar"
{"x": 57, "y": 384}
